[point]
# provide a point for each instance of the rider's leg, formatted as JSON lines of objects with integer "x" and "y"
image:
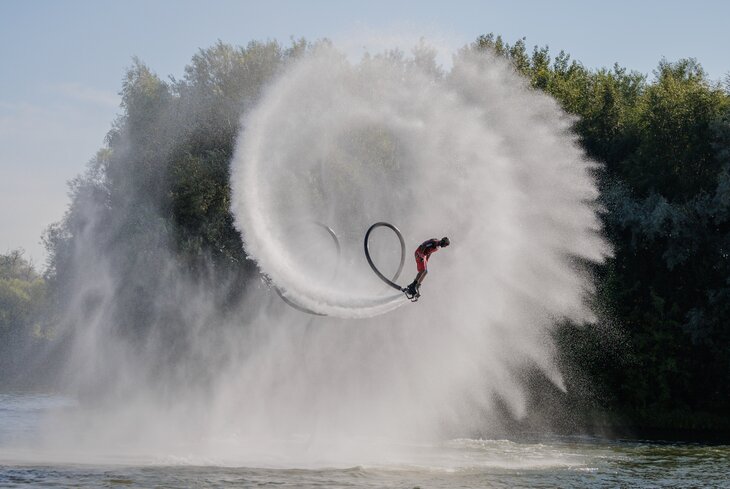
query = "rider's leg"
{"x": 421, "y": 267}
{"x": 421, "y": 275}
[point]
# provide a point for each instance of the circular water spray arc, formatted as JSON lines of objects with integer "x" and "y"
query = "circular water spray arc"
{"x": 300, "y": 307}
{"x": 473, "y": 153}
{"x": 366, "y": 244}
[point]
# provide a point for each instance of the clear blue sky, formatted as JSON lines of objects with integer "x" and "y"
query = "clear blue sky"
{"x": 63, "y": 62}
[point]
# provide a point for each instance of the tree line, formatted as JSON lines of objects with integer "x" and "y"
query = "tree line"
{"x": 665, "y": 187}
{"x": 162, "y": 183}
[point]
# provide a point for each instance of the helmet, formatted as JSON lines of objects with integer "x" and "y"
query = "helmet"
{"x": 444, "y": 242}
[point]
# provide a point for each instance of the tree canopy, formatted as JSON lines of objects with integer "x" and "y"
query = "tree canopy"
{"x": 665, "y": 146}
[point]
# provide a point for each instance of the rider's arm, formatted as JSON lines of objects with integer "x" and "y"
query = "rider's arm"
{"x": 431, "y": 245}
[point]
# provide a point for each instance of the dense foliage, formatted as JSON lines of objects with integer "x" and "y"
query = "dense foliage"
{"x": 22, "y": 299}
{"x": 663, "y": 360}
{"x": 154, "y": 203}
{"x": 665, "y": 145}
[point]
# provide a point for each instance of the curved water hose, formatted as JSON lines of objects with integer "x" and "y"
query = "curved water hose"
{"x": 299, "y": 307}
{"x": 366, "y": 244}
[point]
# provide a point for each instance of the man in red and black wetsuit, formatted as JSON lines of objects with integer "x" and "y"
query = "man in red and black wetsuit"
{"x": 423, "y": 253}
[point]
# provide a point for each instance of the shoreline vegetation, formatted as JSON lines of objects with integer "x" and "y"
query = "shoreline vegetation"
{"x": 656, "y": 364}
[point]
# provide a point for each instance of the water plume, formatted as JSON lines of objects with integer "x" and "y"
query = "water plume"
{"x": 472, "y": 153}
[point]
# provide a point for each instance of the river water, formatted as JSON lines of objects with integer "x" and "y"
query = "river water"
{"x": 545, "y": 461}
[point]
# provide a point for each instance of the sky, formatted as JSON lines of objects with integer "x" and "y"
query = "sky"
{"x": 63, "y": 62}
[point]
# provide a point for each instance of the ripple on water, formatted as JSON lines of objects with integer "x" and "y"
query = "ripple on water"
{"x": 543, "y": 462}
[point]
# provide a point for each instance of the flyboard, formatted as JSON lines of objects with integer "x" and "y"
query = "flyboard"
{"x": 366, "y": 244}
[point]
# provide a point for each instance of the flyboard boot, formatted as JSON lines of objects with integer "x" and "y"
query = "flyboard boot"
{"x": 413, "y": 291}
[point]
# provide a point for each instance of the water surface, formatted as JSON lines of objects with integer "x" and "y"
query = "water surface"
{"x": 297, "y": 462}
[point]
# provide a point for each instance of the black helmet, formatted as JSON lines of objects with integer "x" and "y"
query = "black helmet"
{"x": 444, "y": 242}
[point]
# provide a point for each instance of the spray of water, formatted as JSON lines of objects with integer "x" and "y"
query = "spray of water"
{"x": 471, "y": 153}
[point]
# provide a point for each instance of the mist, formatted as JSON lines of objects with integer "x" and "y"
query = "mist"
{"x": 226, "y": 372}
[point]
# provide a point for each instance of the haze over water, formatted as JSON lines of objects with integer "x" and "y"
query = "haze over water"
{"x": 544, "y": 462}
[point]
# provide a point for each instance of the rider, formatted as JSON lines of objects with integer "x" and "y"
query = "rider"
{"x": 423, "y": 252}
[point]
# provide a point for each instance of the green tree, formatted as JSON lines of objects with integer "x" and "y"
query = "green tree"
{"x": 22, "y": 304}
{"x": 21, "y": 295}
{"x": 665, "y": 146}
{"x": 153, "y": 205}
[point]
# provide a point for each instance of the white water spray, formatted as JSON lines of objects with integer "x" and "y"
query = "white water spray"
{"x": 473, "y": 154}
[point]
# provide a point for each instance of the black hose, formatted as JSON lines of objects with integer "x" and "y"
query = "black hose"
{"x": 366, "y": 244}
